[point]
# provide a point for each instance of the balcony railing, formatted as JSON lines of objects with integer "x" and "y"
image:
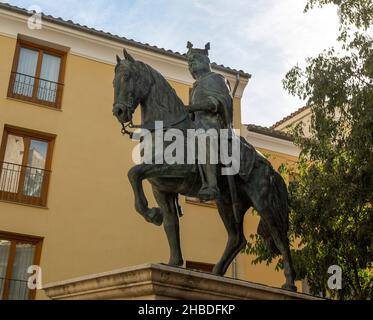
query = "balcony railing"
{"x": 23, "y": 184}
{"x": 33, "y": 89}
{"x": 14, "y": 289}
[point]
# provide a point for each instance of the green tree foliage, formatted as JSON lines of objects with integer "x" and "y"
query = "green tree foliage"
{"x": 331, "y": 195}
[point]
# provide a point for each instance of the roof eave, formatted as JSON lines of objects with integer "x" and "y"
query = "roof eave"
{"x": 116, "y": 38}
{"x": 269, "y": 132}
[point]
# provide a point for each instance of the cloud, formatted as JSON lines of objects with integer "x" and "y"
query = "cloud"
{"x": 284, "y": 36}
{"x": 284, "y": 26}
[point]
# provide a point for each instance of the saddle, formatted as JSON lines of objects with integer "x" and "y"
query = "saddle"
{"x": 248, "y": 156}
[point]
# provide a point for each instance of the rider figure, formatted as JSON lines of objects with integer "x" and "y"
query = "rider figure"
{"x": 212, "y": 105}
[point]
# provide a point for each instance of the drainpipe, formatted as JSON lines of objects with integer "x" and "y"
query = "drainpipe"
{"x": 234, "y": 262}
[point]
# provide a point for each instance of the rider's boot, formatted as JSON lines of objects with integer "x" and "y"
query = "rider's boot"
{"x": 209, "y": 190}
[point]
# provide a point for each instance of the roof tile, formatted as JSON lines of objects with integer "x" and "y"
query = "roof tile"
{"x": 300, "y": 110}
{"x": 269, "y": 132}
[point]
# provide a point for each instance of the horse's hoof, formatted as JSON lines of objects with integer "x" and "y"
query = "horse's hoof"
{"x": 217, "y": 271}
{"x": 155, "y": 216}
{"x": 290, "y": 287}
{"x": 176, "y": 262}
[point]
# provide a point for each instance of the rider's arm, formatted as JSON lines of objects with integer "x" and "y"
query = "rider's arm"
{"x": 211, "y": 104}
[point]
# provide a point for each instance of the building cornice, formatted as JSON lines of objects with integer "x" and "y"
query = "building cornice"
{"x": 265, "y": 138}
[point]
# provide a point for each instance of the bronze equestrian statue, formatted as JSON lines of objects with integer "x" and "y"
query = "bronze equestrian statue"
{"x": 256, "y": 184}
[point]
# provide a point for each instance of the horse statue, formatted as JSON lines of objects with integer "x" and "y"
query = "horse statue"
{"x": 258, "y": 185}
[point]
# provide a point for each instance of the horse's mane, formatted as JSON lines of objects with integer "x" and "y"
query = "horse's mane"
{"x": 164, "y": 94}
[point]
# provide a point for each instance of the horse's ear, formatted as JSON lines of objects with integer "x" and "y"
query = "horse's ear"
{"x": 118, "y": 59}
{"x": 128, "y": 56}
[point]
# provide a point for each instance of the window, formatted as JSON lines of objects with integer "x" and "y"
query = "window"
{"x": 25, "y": 160}
{"x": 37, "y": 74}
{"x": 199, "y": 266}
{"x": 17, "y": 253}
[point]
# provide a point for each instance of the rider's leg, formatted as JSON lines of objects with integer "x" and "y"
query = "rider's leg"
{"x": 209, "y": 189}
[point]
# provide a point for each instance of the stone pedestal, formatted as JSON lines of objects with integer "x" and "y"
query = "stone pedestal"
{"x": 158, "y": 281}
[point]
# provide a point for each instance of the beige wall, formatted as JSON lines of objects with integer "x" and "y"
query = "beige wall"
{"x": 90, "y": 224}
{"x": 304, "y": 116}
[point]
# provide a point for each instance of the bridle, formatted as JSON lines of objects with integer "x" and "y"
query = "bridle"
{"x": 130, "y": 110}
{"x": 124, "y": 130}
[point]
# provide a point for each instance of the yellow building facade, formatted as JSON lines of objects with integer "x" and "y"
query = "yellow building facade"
{"x": 65, "y": 200}
{"x": 302, "y": 115}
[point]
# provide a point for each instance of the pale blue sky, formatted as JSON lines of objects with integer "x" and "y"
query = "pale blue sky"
{"x": 262, "y": 37}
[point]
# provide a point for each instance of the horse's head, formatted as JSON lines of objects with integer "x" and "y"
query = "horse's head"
{"x": 131, "y": 86}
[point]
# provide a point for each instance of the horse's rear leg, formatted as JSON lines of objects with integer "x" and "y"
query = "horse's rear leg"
{"x": 282, "y": 243}
{"x": 167, "y": 203}
{"x": 261, "y": 200}
{"x": 236, "y": 239}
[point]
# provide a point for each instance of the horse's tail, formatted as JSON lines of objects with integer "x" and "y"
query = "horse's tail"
{"x": 280, "y": 200}
{"x": 278, "y": 197}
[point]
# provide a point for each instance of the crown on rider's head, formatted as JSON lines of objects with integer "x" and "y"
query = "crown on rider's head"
{"x": 199, "y": 51}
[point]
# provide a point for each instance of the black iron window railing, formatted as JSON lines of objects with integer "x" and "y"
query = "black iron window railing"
{"x": 23, "y": 184}
{"x": 14, "y": 289}
{"x": 35, "y": 89}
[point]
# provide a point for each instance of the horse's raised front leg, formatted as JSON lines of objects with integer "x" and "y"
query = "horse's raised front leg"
{"x": 167, "y": 203}
{"x": 136, "y": 175}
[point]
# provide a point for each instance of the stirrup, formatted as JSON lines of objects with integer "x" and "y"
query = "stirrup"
{"x": 208, "y": 194}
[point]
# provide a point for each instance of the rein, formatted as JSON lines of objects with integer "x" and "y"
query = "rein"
{"x": 130, "y": 125}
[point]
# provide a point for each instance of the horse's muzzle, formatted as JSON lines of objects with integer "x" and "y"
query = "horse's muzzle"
{"x": 119, "y": 112}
